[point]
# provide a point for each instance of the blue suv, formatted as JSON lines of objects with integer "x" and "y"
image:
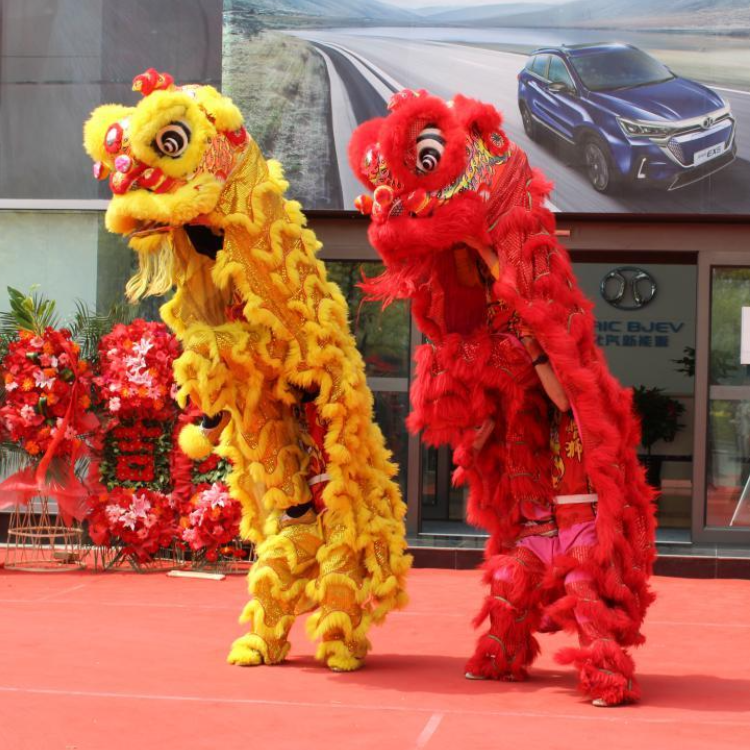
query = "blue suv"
{"x": 628, "y": 116}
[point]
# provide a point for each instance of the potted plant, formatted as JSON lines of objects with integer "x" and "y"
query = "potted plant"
{"x": 660, "y": 420}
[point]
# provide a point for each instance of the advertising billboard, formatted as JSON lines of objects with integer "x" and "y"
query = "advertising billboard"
{"x": 630, "y": 108}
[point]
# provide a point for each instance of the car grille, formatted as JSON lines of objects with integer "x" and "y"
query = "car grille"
{"x": 676, "y": 151}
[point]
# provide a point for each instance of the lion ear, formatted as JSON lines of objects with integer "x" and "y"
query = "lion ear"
{"x": 96, "y": 127}
{"x": 483, "y": 118}
{"x": 363, "y": 138}
{"x": 225, "y": 114}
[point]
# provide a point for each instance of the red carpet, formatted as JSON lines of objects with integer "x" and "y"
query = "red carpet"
{"x": 120, "y": 660}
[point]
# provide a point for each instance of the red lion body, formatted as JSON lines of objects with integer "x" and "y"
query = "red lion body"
{"x": 460, "y": 222}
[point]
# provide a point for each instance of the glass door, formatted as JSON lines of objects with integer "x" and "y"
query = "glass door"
{"x": 723, "y": 504}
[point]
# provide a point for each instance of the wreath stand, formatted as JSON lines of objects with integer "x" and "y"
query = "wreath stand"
{"x": 113, "y": 558}
{"x": 38, "y": 542}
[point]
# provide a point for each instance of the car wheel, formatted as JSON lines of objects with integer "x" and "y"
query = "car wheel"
{"x": 529, "y": 125}
{"x": 598, "y": 166}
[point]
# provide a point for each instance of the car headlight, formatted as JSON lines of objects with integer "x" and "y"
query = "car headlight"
{"x": 640, "y": 128}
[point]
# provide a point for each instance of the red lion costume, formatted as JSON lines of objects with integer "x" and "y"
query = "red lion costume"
{"x": 458, "y": 217}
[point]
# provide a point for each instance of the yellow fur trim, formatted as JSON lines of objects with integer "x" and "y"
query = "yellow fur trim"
{"x": 294, "y": 335}
{"x": 194, "y": 443}
{"x": 251, "y": 650}
{"x": 156, "y": 111}
{"x": 96, "y": 127}
{"x": 173, "y": 209}
{"x": 225, "y": 114}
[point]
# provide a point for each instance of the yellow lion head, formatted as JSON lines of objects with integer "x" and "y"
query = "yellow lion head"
{"x": 167, "y": 159}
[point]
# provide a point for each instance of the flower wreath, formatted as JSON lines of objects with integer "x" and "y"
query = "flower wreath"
{"x": 46, "y": 410}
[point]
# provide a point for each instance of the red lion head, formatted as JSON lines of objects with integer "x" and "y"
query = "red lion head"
{"x": 445, "y": 163}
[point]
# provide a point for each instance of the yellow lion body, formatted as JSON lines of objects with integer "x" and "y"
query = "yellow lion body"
{"x": 292, "y": 337}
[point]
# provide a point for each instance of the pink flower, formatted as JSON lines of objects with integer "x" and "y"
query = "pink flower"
{"x": 216, "y": 496}
{"x": 114, "y": 404}
{"x": 129, "y": 519}
{"x": 190, "y": 536}
{"x": 140, "y": 506}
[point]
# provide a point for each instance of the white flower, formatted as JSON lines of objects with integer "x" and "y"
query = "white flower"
{"x": 114, "y": 513}
{"x": 42, "y": 381}
{"x": 143, "y": 347}
{"x": 129, "y": 520}
{"x": 114, "y": 404}
{"x": 11, "y": 386}
{"x": 27, "y": 413}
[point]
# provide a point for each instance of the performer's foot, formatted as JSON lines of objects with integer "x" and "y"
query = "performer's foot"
{"x": 251, "y": 651}
{"x": 245, "y": 657}
{"x": 344, "y": 663}
{"x": 502, "y": 678}
{"x": 601, "y": 703}
{"x": 605, "y": 673}
{"x": 340, "y": 656}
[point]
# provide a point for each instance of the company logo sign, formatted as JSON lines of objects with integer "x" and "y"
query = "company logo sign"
{"x": 628, "y": 288}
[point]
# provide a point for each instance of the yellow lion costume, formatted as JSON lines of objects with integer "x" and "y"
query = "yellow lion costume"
{"x": 269, "y": 359}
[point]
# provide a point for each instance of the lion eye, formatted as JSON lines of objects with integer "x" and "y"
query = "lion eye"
{"x": 173, "y": 139}
{"x": 430, "y": 147}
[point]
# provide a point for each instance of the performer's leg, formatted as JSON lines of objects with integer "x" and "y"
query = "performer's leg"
{"x": 341, "y": 621}
{"x": 513, "y": 606}
{"x": 605, "y": 669}
{"x": 286, "y": 563}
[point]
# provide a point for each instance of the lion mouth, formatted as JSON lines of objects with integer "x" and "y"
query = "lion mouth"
{"x": 147, "y": 228}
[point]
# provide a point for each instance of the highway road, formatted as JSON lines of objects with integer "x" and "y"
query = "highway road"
{"x": 364, "y": 71}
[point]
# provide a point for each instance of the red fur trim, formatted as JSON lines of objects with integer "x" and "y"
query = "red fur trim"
{"x": 364, "y": 137}
{"x": 512, "y": 606}
{"x": 538, "y": 284}
{"x": 398, "y": 142}
{"x": 605, "y": 671}
{"x": 473, "y": 114}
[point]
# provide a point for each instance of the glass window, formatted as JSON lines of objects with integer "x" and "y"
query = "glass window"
{"x": 54, "y": 251}
{"x": 539, "y": 66}
{"x": 383, "y": 335}
{"x": 68, "y": 256}
{"x": 728, "y": 458}
{"x": 558, "y": 72}
{"x": 384, "y": 341}
{"x": 619, "y": 68}
{"x": 61, "y": 59}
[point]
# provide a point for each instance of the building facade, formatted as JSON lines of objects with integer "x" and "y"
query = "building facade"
{"x": 669, "y": 290}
